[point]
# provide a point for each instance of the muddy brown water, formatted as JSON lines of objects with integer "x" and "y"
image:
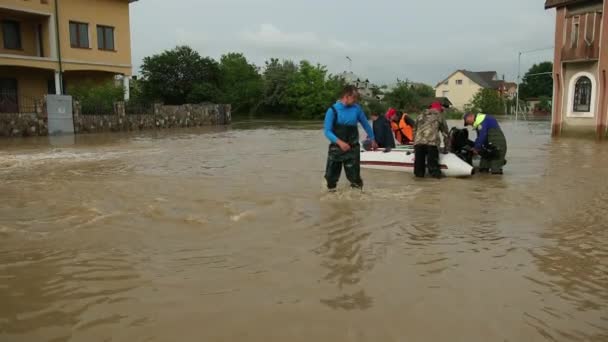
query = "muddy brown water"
{"x": 227, "y": 235}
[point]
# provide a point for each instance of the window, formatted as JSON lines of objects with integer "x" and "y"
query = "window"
{"x": 582, "y": 95}
{"x": 9, "y": 101}
{"x": 458, "y": 82}
{"x": 79, "y": 35}
{"x": 11, "y": 31}
{"x": 575, "y": 31}
{"x": 105, "y": 38}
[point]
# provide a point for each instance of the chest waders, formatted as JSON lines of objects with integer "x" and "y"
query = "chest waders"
{"x": 350, "y": 160}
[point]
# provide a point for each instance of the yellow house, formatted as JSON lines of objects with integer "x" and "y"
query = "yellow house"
{"x": 48, "y": 46}
{"x": 462, "y": 85}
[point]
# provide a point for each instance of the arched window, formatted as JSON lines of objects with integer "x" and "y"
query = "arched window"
{"x": 582, "y": 95}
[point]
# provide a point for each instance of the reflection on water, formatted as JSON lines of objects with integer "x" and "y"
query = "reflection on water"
{"x": 225, "y": 234}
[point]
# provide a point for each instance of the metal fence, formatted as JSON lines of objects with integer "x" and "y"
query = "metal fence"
{"x": 13, "y": 103}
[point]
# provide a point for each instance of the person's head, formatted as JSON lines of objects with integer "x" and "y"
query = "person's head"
{"x": 391, "y": 113}
{"x": 436, "y": 106}
{"x": 375, "y": 116}
{"x": 469, "y": 119}
{"x": 349, "y": 95}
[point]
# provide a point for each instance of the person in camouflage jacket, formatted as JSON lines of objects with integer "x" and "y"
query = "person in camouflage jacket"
{"x": 430, "y": 125}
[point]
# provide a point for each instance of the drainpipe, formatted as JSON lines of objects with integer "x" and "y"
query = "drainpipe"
{"x": 57, "y": 35}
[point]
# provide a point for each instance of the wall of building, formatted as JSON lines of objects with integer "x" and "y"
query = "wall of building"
{"x": 459, "y": 95}
{"x": 81, "y": 78}
{"x": 31, "y": 83}
{"x": 29, "y": 26}
{"x": 114, "y": 13}
{"x": 38, "y": 6}
{"x": 570, "y": 122}
{"x": 603, "y": 67}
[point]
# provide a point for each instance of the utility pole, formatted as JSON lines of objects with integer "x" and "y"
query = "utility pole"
{"x": 519, "y": 75}
{"x": 350, "y": 61}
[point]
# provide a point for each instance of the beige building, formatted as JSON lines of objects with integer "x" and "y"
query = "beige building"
{"x": 580, "y": 71}
{"x": 48, "y": 46}
{"x": 461, "y": 86}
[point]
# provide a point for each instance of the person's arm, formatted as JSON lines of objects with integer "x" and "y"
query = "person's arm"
{"x": 368, "y": 129}
{"x": 328, "y": 127}
{"x": 416, "y": 124}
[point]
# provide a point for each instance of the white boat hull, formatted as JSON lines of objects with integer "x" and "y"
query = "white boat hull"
{"x": 402, "y": 160}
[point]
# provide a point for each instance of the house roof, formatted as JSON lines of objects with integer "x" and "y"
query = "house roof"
{"x": 561, "y": 3}
{"x": 484, "y": 78}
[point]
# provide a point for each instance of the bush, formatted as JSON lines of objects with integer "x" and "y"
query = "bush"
{"x": 97, "y": 99}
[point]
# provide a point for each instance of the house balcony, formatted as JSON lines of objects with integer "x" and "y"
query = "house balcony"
{"x": 27, "y": 39}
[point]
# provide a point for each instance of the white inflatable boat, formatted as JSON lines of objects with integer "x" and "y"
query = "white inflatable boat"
{"x": 402, "y": 159}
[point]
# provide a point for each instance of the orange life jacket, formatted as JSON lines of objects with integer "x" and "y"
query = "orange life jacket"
{"x": 404, "y": 133}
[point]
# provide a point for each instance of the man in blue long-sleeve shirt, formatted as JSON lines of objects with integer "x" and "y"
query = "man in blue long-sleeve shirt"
{"x": 341, "y": 129}
{"x": 491, "y": 143}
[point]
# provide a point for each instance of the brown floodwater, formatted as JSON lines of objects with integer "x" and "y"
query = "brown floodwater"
{"x": 226, "y": 234}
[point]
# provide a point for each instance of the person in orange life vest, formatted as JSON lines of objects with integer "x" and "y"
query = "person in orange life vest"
{"x": 402, "y": 126}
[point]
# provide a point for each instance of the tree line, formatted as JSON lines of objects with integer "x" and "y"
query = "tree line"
{"x": 282, "y": 88}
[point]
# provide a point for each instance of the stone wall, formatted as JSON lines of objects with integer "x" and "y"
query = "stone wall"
{"x": 190, "y": 115}
{"x": 22, "y": 125}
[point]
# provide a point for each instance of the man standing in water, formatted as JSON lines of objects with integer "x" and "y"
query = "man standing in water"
{"x": 491, "y": 143}
{"x": 342, "y": 131}
{"x": 430, "y": 124}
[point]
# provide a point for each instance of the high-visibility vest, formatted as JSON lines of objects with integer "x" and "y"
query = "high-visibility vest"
{"x": 406, "y": 130}
{"x": 404, "y": 133}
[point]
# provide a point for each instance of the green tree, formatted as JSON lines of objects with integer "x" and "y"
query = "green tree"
{"x": 535, "y": 85}
{"x": 241, "y": 84}
{"x": 172, "y": 75}
{"x": 375, "y": 106}
{"x": 544, "y": 105}
{"x": 311, "y": 91}
{"x": 486, "y": 101}
{"x": 277, "y": 78}
{"x": 409, "y": 96}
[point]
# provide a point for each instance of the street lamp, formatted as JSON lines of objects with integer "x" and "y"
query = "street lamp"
{"x": 350, "y": 61}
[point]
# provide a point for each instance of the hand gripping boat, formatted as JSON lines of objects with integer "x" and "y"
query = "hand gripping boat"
{"x": 402, "y": 159}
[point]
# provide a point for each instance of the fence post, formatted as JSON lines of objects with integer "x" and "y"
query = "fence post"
{"x": 119, "y": 108}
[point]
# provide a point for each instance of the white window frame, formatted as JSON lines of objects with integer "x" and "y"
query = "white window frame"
{"x": 459, "y": 82}
{"x": 571, "y": 89}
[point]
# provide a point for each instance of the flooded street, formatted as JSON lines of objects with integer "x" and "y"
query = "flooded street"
{"x": 227, "y": 235}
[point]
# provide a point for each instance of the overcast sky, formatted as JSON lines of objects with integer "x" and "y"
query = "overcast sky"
{"x": 421, "y": 40}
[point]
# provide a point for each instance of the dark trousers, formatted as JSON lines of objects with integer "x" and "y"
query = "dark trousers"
{"x": 336, "y": 159}
{"x": 426, "y": 156}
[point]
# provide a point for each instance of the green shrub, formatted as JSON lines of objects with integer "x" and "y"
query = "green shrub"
{"x": 97, "y": 99}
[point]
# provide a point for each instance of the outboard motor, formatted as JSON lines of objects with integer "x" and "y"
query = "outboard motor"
{"x": 460, "y": 144}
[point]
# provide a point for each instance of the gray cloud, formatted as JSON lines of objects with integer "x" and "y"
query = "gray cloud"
{"x": 387, "y": 39}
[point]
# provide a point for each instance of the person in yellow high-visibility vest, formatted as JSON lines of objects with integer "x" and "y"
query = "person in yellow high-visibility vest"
{"x": 491, "y": 143}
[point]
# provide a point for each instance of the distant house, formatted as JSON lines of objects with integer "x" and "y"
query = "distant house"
{"x": 580, "y": 68}
{"x": 363, "y": 85}
{"x": 462, "y": 85}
